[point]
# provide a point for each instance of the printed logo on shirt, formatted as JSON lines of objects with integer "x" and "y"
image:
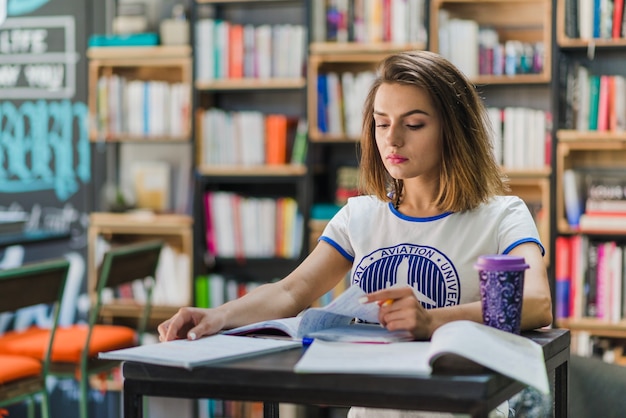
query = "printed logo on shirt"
{"x": 429, "y": 272}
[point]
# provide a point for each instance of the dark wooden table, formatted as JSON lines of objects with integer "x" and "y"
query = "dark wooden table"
{"x": 270, "y": 378}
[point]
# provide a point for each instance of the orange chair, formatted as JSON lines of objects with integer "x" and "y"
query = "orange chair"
{"x": 22, "y": 377}
{"x": 76, "y": 347}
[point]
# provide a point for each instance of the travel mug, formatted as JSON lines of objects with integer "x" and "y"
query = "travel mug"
{"x": 501, "y": 289}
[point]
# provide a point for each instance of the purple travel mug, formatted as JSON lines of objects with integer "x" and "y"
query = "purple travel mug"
{"x": 501, "y": 289}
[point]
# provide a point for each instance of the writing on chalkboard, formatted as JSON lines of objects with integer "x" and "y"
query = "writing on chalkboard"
{"x": 38, "y": 58}
{"x": 37, "y": 148}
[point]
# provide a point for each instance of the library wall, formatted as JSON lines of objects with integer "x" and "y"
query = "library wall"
{"x": 45, "y": 162}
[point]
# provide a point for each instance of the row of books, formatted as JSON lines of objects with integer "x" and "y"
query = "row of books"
{"x": 521, "y": 137}
{"x": 369, "y": 21}
{"x": 609, "y": 350}
{"x": 219, "y": 408}
{"x": 213, "y": 290}
{"x": 595, "y": 102}
{"x": 142, "y": 108}
{"x": 227, "y": 50}
{"x": 251, "y": 138}
{"x": 477, "y": 50}
{"x": 340, "y": 99}
{"x": 590, "y": 278}
{"x": 595, "y": 19}
{"x": 595, "y": 199}
{"x": 240, "y": 226}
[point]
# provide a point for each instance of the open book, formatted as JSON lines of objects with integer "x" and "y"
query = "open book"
{"x": 189, "y": 354}
{"x": 333, "y": 322}
{"x": 512, "y": 355}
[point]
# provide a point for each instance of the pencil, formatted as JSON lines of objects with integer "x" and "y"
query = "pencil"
{"x": 386, "y": 302}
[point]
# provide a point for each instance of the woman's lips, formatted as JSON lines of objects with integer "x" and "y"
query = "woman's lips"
{"x": 396, "y": 159}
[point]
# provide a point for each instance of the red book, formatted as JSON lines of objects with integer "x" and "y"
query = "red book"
{"x": 603, "y": 104}
{"x": 563, "y": 276}
{"x": 576, "y": 288}
{"x": 208, "y": 224}
{"x": 235, "y": 51}
{"x": 611, "y": 104}
{"x": 275, "y": 139}
{"x": 387, "y": 19}
{"x": 618, "y": 12}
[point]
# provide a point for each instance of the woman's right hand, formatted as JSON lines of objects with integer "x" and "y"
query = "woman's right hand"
{"x": 191, "y": 323}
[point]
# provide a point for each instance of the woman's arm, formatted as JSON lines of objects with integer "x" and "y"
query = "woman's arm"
{"x": 315, "y": 276}
{"x": 537, "y": 305}
{"x": 406, "y": 312}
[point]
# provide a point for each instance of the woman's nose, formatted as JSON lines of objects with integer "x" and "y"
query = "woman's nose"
{"x": 394, "y": 136}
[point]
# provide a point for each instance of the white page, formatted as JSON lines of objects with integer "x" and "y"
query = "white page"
{"x": 509, "y": 354}
{"x": 287, "y": 325}
{"x": 361, "y": 333}
{"x": 188, "y": 354}
{"x": 339, "y": 312}
{"x": 400, "y": 358}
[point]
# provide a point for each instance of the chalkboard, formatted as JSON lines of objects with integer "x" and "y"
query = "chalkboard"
{"x": 45, "y": 155}
{"x": 45, "y": 163}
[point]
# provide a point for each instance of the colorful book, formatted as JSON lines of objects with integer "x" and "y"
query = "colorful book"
{"x": 275, "y": 139}
{"x": 563, "y": 276}
{"x": 618, "y": 14}
{"x": 300, "y": 143}
{"x": 594, "y": 101}
{"x": 235, "y": 51}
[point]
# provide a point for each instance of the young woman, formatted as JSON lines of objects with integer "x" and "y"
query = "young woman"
{"x": 432, "y": 203}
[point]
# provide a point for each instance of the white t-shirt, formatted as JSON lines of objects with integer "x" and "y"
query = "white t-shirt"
{"x": 434, "y": 255}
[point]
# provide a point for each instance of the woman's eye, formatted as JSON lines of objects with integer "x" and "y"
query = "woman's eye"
{"x": 415, "y": 127}
{"x": 382, "y": 125}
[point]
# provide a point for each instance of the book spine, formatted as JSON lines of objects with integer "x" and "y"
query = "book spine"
{"x": 602, "y": 281}
{"x": 594, "y": 101}
{"x": 618, "y": 12}
{"x": 571, "y": 19}
{"x": 563, "y": 276}
{"x": 572, "y": 197}
{"x": 591, "y": 281}
{"x": 201, "y": 292}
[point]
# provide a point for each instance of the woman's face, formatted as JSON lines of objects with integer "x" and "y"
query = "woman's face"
{"x": 408, "y": 132}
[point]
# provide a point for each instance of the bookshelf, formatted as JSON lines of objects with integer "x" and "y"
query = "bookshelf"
{"x": 126, "y": 129}
{"x": 505, "y": 32}
{"x": 239, "y": 93}
{"x": 346, "y": 54}
{"x": 124, "y": 228}
{"x": 589, "y": 140}
{"x": 112, "y": 70}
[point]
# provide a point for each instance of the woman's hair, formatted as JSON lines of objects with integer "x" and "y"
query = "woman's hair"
{"x": 469, "y": 174}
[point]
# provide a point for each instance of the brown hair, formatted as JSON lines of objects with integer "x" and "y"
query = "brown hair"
{"x": 470, "y": 174}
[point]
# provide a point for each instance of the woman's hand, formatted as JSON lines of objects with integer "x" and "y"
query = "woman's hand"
{"x": 401, "y": 310}
{"x": 191, "y": 323}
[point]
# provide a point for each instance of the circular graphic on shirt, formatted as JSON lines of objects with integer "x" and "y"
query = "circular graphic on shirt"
{"x": 429, "y": 272}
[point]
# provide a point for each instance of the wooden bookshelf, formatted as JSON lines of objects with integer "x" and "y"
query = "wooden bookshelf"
{"x": 519, "y": 20}
{"x": 584, "y": 150}
{"x": 124, "y": 228}
{"x": 170, "y": 64}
